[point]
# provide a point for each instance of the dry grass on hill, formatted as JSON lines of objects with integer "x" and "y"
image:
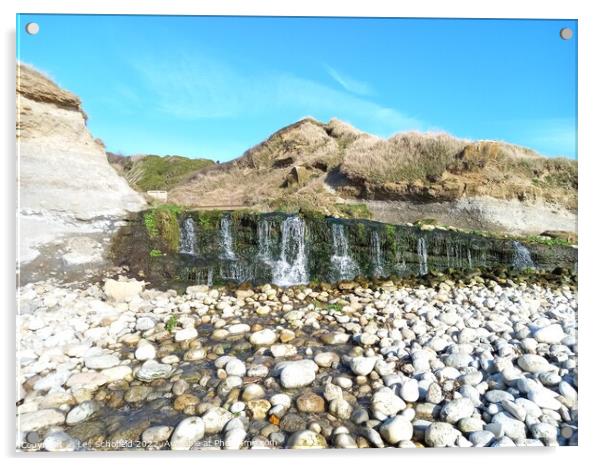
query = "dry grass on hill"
{"x": 439, "y": 166}
{"x": 405, "y": 156}
{"x": 260, "y": 175}
{"x": 34, "y": 85}
{"x": 296, "y": 166}
{"x": 237, "y": 186}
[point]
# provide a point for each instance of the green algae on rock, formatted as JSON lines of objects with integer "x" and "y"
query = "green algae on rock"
{"x": 215, "y": 247}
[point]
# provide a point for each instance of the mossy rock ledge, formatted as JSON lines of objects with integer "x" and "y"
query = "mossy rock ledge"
{"x": 170, "y": 246}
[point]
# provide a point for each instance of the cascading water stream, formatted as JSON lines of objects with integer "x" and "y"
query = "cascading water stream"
{"x": 344, "y": 266}
{"x": 463, "y": 255}
{"x": 230, "y": 267}
{"x": 521, "y": 258}
{"x": 289, "y": 250}
{"x": 422, "y": 257}
{"x": 454, "y": 254}
{"x": 376, "y": 254}
{"x": 225, "y": 238}
{"x": 265, "y": 240}
{"x": 188, "y": 239}
{"x": 291, "y": 267}
{"x": 399, "y": 264}
{"x": 234, "y": 270}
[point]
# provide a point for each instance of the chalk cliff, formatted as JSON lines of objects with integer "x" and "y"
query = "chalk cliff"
{"x": 67, "y": 188}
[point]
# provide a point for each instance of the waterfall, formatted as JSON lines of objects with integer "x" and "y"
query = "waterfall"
{"x": 400, "y": 267}
{"x": 376, "y": 254}
{"x": 230, "y": 268}
{"x": 234, "y": 270}
{"x": 291, "y": 267}
{"x": 225, "y": 238}
{"x": 210, "y": 276}
{"x": 450, "y": 250}
{"x": 455, "y": 256}
{"x": 343, "y": 264}
{"x": 264, "y": 238}
{"x": 483, "y": 258}
{"x": 422, "y": 257}
{"x": 284, "y": 249}
{"x": 521, "y": 258}
{"x": 188, "y": 242}
{"x": 199, "y": 275}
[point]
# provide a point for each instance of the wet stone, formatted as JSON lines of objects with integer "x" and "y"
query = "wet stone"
{"x": 310, "y": 403}
{"x": 137, "y": 393}
{"x": 130, "y": 432}
{"x": 60, "y": 441}
{"x": 152, "y": 370}
{"x": 292, "y": 422}
{"x": 184, "y": 401}
{"x": 157, "y": 434}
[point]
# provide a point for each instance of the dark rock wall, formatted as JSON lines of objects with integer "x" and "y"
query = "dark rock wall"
{"x": 151, "y": 244}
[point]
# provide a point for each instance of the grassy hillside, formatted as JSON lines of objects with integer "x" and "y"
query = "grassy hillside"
{"x": 153, "y": 172}
{"x": 310, "y": 163}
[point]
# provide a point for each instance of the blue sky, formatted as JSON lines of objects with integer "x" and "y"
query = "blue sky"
{"x": 215, "y": 86}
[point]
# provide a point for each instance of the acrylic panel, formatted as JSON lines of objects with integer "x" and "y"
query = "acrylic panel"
{"x": 294, "y": 232}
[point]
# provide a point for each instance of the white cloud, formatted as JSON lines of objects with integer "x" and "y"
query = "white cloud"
{"x": 348, "y": 83}
{"x": 313, "y": 96}
{"x": 560, "y": 135}
{"x": 200, "y": 86}
{"x": 191, "y": 88}
{"x": 551, "y": 136}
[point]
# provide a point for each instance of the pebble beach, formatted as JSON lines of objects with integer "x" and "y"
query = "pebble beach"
{"x": 118, "y": 366}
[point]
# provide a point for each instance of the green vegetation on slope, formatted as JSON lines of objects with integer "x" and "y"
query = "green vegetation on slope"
{"x": 162, "y": 222}
{"x": 153, "y": 172}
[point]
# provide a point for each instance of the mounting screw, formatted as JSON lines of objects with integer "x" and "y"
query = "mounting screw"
{"x": 566, "y": 33}
{"x": 32, "y": 28}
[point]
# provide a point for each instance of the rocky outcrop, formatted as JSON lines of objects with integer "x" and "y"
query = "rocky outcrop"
{"x": 67, "y": 188}
{"x": 172, "y": 247}
{"x": 483, "y": 213}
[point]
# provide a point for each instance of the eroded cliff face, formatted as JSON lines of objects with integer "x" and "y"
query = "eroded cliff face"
{"x": 67, "y": 189}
